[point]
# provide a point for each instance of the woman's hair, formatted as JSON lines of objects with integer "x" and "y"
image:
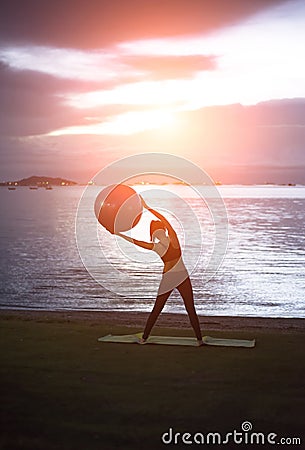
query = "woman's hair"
{"x": 156, "y": 225}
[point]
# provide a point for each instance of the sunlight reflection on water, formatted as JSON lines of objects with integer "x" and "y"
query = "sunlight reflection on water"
{"x": 262, "y": 274}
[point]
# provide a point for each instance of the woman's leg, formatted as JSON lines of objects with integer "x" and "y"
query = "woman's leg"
{"x": 153, "y": 316}
{"x": 186, "y": 291}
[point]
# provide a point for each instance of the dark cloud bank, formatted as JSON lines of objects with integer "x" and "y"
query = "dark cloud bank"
{"x": 97, "y": 23}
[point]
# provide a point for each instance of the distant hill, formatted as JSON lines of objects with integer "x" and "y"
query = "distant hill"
{"x": 40, "y": 181}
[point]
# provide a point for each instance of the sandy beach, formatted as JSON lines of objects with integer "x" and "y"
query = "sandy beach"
{"x": 166, "y": 320}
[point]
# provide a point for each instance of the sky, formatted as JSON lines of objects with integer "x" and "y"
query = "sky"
{"x": 221, "y": 83}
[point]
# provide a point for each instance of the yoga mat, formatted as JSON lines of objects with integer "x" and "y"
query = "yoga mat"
{"x": 175, "y": 340}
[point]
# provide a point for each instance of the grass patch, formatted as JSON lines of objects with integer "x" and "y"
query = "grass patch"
{"x": 61, "y": 389}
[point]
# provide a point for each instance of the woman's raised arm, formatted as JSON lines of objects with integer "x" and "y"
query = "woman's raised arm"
{"x": 143, "y": 244}
{"x": 171, "y": 232}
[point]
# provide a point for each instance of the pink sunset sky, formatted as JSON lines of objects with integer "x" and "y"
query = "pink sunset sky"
{"x": 85, "y": 83}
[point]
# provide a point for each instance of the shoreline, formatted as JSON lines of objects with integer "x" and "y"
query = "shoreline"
{"x": 165, "y": 320}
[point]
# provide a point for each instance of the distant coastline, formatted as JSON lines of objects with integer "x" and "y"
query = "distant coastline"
{"x": 39, "y": 182}
{"x": 44, "y": 181}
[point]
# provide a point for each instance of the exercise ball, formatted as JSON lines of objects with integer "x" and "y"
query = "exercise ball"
{"x": 118, "y": 208}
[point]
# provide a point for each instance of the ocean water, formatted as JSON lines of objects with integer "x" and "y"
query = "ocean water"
{"x": 44, "y": 244}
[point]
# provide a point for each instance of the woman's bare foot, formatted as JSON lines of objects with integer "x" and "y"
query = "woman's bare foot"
{"x": 200, "y": 342}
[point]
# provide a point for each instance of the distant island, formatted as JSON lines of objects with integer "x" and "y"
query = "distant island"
{"x": 39, "y": 182}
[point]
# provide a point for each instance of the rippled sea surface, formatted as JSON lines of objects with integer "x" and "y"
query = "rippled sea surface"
{"x": 262, "y": 273}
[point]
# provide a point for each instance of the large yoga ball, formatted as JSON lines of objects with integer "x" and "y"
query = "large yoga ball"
{"x": 118, "y": 208}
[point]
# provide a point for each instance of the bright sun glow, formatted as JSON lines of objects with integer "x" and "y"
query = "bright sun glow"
{"x": 142, "y": 93}
{"x": 125, "y": 124}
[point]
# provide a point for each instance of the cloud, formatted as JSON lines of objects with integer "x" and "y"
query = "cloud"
{"x": 62, "y": 156}
{"x": 49, "y": 86}
{"x": 100, "y": 66}
{"x": 66, "y": 63}
{"x": 33, "y": 103}
{"x": 28, "y": 104}
{"x": 230, "y": 142}
{"x": 280, "y": 113}
{"x": 164, "y": 67}
{"x": 37, "y": 103}
{"x": 99, "y": 23}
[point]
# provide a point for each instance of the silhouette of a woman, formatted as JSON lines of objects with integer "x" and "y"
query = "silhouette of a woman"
{"x": 165, "y": 243}
{"x": 175, "y": 274}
